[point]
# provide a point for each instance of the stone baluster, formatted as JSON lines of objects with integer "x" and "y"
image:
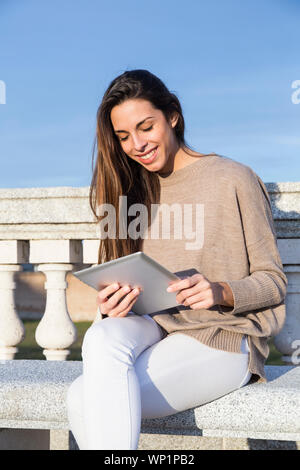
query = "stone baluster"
{"x": 13, "y": 253}
{"x": 90, "y": 250}
{"x": 288, "y": 339}
{"x": 56, "y": 332}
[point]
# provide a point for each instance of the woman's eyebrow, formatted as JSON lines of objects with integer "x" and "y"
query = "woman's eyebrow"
{"x": 139, "y": 124}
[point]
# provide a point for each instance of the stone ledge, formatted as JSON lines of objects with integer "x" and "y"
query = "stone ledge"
{"x": 64, "y": 212}
{"x": 33, "y": 396}
{"x": 258, "y": 411}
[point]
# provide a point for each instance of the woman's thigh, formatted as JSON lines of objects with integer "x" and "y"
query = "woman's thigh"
{"x": 134, "y": 333}
{"x": 179, "y": 373}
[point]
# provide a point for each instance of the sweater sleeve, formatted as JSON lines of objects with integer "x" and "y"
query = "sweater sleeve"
{"x": 266, "y": 284}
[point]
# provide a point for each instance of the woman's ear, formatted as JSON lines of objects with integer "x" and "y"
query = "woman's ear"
{"x": 174, "y": 119}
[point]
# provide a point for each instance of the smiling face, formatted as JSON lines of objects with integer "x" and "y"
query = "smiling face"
{"x": 144, "y": 134}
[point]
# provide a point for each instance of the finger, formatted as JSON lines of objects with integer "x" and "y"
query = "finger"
{"x": 185, "y": 283}
{"x": 123, "y": 314}
{"x": 104, "y": 293}
{"x": 205, "y": 304}
{"x": 186, "y": 293}
{"x": 125, "y": 303}
{"x": 179, "y": 279}
{"x": 114, "y": 299}
{"x": 190, "y": 300}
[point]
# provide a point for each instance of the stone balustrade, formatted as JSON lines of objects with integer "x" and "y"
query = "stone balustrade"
{"x": 54, "y": 229}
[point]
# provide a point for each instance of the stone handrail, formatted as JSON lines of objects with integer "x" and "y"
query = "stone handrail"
{"x": 54, "y": 229}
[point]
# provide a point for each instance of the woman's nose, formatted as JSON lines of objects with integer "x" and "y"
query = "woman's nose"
{"x": 139, "y": 142}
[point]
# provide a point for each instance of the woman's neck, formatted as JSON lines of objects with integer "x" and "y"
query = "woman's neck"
{"x": 180, "y": 159}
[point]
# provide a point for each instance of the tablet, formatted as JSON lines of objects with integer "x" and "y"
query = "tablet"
{"x": 137, "y": 270}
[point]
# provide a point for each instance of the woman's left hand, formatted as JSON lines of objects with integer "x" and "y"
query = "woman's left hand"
{"x": 198, "y": 292}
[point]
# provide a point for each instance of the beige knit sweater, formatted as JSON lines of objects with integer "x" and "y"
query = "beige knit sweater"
{"x": 228, "y": 235}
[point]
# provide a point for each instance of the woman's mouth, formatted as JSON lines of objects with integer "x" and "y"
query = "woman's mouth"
{"x": 149, "y": 157}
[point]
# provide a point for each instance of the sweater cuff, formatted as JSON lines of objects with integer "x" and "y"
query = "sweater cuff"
{"x": 242, "y": 301}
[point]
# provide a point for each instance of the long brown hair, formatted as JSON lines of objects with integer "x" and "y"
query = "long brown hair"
{"x": 115, "y": 174}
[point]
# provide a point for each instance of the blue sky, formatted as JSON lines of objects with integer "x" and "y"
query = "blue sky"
{"x": 230, "y": 62}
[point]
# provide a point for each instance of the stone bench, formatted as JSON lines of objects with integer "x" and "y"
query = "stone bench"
{"x": 33, "y": 410}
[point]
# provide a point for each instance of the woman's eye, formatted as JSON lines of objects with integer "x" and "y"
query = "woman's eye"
{"x": 145, "y": 130}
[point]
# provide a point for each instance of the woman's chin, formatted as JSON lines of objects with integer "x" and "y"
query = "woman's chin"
{"x": 154, "y": 167}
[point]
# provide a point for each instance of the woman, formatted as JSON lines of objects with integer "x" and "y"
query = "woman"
{"x": 232, "y": 285}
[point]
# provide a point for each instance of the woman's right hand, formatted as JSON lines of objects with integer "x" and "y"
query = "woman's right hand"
{"x": 116, "y": 301}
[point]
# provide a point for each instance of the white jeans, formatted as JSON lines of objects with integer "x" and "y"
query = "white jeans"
{"x": 130, "y": 372}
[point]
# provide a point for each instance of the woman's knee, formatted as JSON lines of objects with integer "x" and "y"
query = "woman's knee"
{"x": 104, "y": 336}
{"x": 94, "y": 336}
